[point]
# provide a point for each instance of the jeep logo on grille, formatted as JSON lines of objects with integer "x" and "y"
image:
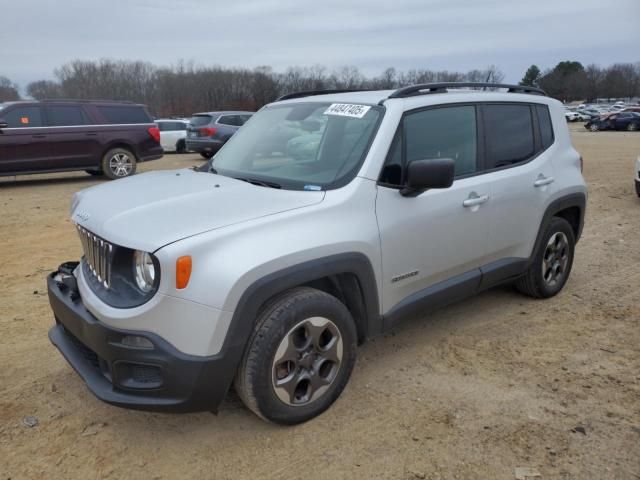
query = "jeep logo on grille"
{"x": 84, "y": 216}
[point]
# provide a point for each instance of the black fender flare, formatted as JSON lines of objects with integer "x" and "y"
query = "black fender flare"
{"x": 578, "y": 199}
{"x": 246, "y": 311}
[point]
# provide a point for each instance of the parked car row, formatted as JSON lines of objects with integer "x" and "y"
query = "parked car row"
{"x": 629, "y": 121}
{"x": 101, "y": 137}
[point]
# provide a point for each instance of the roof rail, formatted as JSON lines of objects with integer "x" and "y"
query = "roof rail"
{"x": 427, "y": 88}
{"x": 311, "y": 93}
{"x": 83, "y": 100}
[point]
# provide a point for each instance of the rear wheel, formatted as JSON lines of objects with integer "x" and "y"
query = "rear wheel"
{"x": 299, "y": 357}
{"x": 181, "y": 147}
{"x": 552, "y": 263}
{"x": 118, "y": 163}
{"x": 632, "y": 127}
{"x": 206, "y": 155}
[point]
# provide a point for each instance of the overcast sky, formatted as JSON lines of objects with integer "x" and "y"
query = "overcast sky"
{"x": 36, "y": 36}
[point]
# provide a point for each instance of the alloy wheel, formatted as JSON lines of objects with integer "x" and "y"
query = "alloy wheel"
{"x": 120, "y": 164}
{"x": 555, "y": 259}
{"x": 307, "y": 361}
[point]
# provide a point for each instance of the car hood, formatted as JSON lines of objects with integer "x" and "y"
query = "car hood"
{"x": 151, "y": 210}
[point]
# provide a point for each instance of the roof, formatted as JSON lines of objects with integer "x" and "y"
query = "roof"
{"x": 225, "y": 112}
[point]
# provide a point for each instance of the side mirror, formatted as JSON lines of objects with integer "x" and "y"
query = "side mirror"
{"x": 425, "y": 174}
{"x": 3, "y": 123}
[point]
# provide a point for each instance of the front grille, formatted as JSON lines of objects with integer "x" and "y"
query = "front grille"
{"x": 98, "y": 254}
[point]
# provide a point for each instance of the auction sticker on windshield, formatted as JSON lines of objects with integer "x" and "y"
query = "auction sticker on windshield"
{"x": 347, "y": 110}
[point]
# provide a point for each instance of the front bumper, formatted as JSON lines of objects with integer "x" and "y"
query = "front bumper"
{"x": 203, "y": 146}
{"x": 159, "y": 378}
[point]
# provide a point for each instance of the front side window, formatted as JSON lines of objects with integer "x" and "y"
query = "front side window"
{"x": 308, "y": 146}
{"x": 66, "y": 116}
{"x": 509, "y": 134}
{"x": 447, "y": 132}
{"x": 24, "y": 117}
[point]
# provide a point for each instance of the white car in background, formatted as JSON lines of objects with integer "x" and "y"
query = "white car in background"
{"x": 173, "y": 132}
{"x": 637, "y": 176}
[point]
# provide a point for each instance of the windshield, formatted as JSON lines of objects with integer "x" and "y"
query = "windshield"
{"x": 199, "y": 120}
{"x": 308, "y": 146}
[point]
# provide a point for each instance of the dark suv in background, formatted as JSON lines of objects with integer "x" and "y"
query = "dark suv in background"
{"x": 100, "y": 137}
{"x": 207, "y": 132}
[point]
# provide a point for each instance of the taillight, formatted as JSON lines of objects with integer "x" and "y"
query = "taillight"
{"x": 207, "y": 132}
{"x": 155, "y": 133}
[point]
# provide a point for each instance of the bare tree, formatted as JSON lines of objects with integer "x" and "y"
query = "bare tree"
{"x": 8, "y": 90}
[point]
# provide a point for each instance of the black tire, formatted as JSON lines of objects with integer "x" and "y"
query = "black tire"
{"x": 119, "y": 163}
{"x": 181, "y": 147}
{"x": 632, "y": 127}
{"x": 206, "y": 155}
{"x": 95, "y": 173}
{"x": 280, "y": 323}
{"x": 534, "y": 282}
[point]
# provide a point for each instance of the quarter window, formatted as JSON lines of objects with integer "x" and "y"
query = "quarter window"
{"x": 124, "y": 114}
{"x": 509, "y": 134}
{"x": 24, "y": 117}
{"x": 546, "y": 130}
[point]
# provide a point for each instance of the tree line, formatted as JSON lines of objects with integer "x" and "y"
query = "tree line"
{"x": 186, "y": 88}
{"x": 570, "y": 80}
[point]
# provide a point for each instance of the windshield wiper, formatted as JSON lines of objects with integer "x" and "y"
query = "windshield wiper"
{"x": 260, "y": 183}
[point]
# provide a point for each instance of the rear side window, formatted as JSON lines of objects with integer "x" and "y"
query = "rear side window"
{"x": 200, "y": 120}
{"x": 24, "y": 117}
{"x": 66, "y": 116}
{"x": 546, "y": 129}
{"x": 509, "y": 134}
{"x": 233, "y": 120}
{"x": 124, "y": 114}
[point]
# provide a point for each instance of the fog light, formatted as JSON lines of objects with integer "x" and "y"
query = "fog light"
{"x": 136, "y": 342}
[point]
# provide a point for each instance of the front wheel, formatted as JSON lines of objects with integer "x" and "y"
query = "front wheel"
{"x": 206, "y": 155}
{"x": 118, "y": 163}
{"x": 181, "y": 147}
{"x": 299, "y": 357}
{"x": 593, "y": 128}
{"x": 632, "y": 127}
{"x": 552, "y": 262}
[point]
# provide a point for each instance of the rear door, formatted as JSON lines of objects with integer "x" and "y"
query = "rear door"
{"x": 75, "y": 142}
{"x": 519, "y": 147}
{"x": 24, "y": 144}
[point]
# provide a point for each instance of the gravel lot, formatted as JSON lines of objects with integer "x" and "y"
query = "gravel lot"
{"x": 477, "y": 390}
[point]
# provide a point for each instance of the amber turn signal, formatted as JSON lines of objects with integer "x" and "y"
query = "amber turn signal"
{"x": 183, "y": 272}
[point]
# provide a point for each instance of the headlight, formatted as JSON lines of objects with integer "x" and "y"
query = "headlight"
{"x": 144, "y": 270}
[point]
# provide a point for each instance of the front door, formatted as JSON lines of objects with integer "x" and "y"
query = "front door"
{"x": 24, "y": 144}
{"x": 439, "y": 238}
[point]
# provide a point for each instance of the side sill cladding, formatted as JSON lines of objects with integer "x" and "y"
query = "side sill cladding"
{"x": 243, "y": 320}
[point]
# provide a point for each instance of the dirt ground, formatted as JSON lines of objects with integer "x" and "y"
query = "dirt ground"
{"x": 477, "y": 390}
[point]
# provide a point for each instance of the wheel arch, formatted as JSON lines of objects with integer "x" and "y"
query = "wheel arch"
{"x": 348, "y": 276}
{"x": 570, "y": 207}
{"x": 119, "y": 144}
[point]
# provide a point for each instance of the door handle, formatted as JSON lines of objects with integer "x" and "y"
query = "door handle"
{"x": 475, "y": 200}
{"x": 542, "y": 181}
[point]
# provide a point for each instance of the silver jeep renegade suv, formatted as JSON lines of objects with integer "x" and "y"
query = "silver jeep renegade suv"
{"x": 326, "y": 220}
